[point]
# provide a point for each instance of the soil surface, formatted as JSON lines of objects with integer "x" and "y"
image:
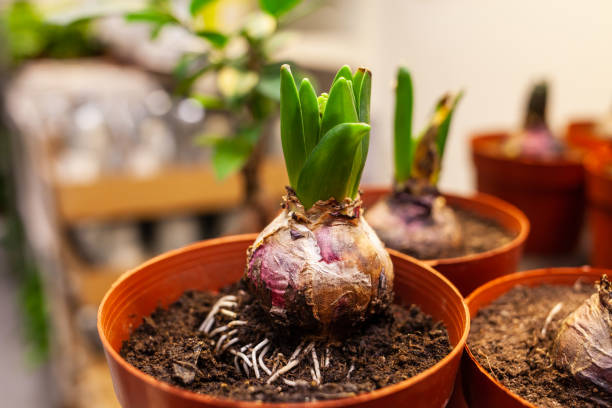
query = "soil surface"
{"x": 390, "y": 348}
{"x": 479, "y": 235}
{"x": 506, "y": 339}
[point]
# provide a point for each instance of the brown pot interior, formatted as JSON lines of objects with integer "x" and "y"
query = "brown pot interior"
{"x": 210, "y": 265}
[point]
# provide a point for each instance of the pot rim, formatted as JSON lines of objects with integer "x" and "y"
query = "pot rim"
{"x": 488, "y": 200}
{"x": 518, "y": 278}
{"x": 226, "y": 402}
{"x": 477, "y": 150}
{"x": 595, "y": 161}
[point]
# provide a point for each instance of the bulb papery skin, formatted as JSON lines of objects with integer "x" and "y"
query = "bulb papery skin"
{"x": 323, "y": 269}
{"x": 420, "y": 225}
{"x": 536, "y": 142}
{"x": 583, "y": 345}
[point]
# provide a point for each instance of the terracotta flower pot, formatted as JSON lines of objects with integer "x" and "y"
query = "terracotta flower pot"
{"x": 481, "y": 389}
{"x": 549, "y": 192}
{"x": 470, "y": 271}
{"x": 599, "y": 195}
{"x": 212, "y": 264}
{"x": 582, "y": 136}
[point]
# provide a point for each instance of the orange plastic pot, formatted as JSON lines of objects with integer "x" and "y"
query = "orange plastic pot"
{"x": 212, "y": 264}
{"x": 482, "y": 390}
{"x": 550, "y": 193}
{"x": 470, "y": 271}
{"x": 582, "y": 137}
{"x": 598, "y": 165}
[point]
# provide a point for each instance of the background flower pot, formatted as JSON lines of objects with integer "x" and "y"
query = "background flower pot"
{"x": 599, "y": 196}
{"x": 210, "y": 265}
{"x": 470, "y": 271}
{"x": 549, "y": 192}
{"x": 582, "y": 136}
{"x": 480, "y": 388}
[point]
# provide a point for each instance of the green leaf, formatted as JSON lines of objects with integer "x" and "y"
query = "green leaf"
{"x": 364, "y": 92}
{"x": 327, "y": 171}
{"x": 197, "y": 5}
{"x": 209, "y": 101}
{"x": 215, "y": 38}
{"x": 403, "y": 126}
{"x": 444, "y": 127}
{"x": 292, "y": 136}
{"x": 365, "y": 88}
{"x": 231, "y": 153}
{"x": 155, "y": 16}
{"x": 310, "y": 115}
{"x": 357, "y": 82}
{"x": 229, "y": 156}
{"x": 344, "y": 72}
{"x": 277, "y": 7}
{"x": 340, "y": 106}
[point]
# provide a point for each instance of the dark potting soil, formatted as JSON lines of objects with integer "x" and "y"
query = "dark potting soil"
{"x": 391, "y": 348}
{"x": 506, "y": 339}
{"x": 479, "y": 234}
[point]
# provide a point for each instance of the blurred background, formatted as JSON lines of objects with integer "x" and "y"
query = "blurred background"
{"x": 130, "y": 128}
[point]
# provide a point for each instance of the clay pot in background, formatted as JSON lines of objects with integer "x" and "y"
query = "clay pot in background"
{"x": 582, "y": 136}
{"x": 212, "y": 264}
{"x": 480, "y": 388}
{"x": 470, "y": 271}
{"x": 550, "y": 193}
{"x": 598, "y": 169}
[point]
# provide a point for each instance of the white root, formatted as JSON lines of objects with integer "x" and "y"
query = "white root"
{"x": 254, "y": 356}
{"x": 326, "y": 357}
{"x": 222, "y": 339}
{"x": 289, "y": 382}
{"x": 218, "y": 330}
{"x": 231, "y": 342}
{"x": 282, "y": 371}
{"x": 236, "y": 361}
{"x": 314, "y": 376}
{"x": 242, "y": 356}
{"x": 261, "y": 362}
{"x": 234, "y": 323}
{"x": 553, "y": 312}
{"x": 228, "y": 313}
{"x": 315, "y": 361}
{"x": 224, "y": 301}
{"x": 351, "y": 368}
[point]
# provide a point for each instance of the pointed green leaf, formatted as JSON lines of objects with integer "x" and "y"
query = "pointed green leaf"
{"x": 344, "y": 72}
{"x": 292, "y": 137}
{"x": 365, "y": 90}
{"x": 196, "y": 5}
{"x": 340, "y": 106}
{"x": 215, "y": 38}
{"x": 310, "y": 115}
{"x": 445, "y": 125}
{"x": 403, "y": 126}
{"x": 357, "y": 82}
{"x": 277, "y": 7}
{"x": 328, "y": 169}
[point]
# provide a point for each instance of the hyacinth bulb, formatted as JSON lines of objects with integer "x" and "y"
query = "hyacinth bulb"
{"x": 421, "y": 225}
{"x": 535, "y": 141}
{"x": 583, "y": 345}
{"x": 322, "y": 269}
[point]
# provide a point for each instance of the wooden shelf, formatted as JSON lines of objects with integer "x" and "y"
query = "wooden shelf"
{"x": 173, "y": 190}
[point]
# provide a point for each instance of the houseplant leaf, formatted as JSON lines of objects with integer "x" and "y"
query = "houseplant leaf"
{"x": 310, "y": 115}
{"x": 292, "y": 134}
{"x": 340, "y": 106}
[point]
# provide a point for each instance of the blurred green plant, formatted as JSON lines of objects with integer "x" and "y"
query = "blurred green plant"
{"x": 245, "y": 73}
{"x": 28, "y": 35}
